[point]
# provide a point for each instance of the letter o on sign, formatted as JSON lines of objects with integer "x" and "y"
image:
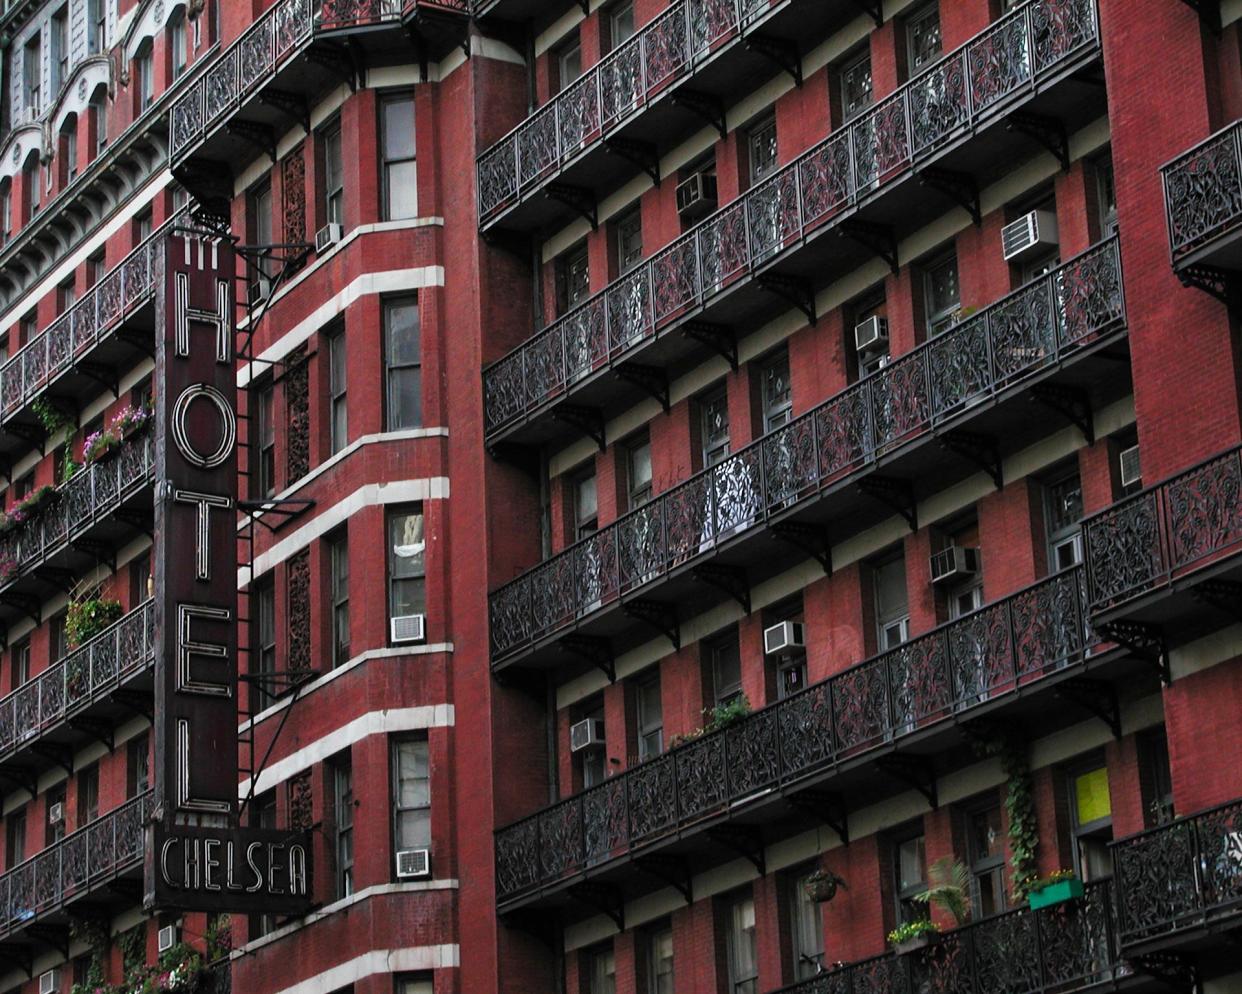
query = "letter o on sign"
{"x": 180, "y": 426}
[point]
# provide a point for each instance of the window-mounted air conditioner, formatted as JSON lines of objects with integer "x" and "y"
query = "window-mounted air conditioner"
{"x": 328, "y": 236}
{"x": 167, "y": 938}
{"x": 586, "y": 734}
{"x": 1131, "y": 472}
{"x": 871, "y": 335}
{"x": 56, "y": 813}
{"x": 696, "y": 196}
{"x": 407, "y": 627}
{"x": 782, "y": 637}
{"x": 413, "y": 863}
{"x": 954, "y": 563}
{"x": 1031, "y": 234}
{"x": 49, "y": 983}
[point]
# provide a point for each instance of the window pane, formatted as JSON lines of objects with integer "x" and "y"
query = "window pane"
{"x": 403, "y": 331}
{"x": 398, "y": 127}
{"x": 406, "y": 545}
{"x": 405, "y": 398}
{"x": 401, "y": 187}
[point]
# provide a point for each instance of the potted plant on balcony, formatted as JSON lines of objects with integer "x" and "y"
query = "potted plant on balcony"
{"x": 822, "y": 885}
{"x": 948, "y": 889}
{"x": 34, "y": 504}
{"x": 1057, "y": 887}
{"x": 131, "y": 421}
{"x": 913, "y": 936}
{"x": 719, "y": 717}
{"x": 89, "y": 616}
{"x": 100, "y": 445}
{"x": 8, "y": 566}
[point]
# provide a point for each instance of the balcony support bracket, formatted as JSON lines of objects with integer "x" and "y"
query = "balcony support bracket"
{"x": 27, "y": 605}
{"x": 588, "y": 420}
{"x": 607, "y": 899}
{"x": 55, "y": 937}
{"x": 1145, "y": 642}
{"x": 1096, "y": 697}
{"x": 101, "y": 551}
{"x": 292, "y": 106}
{"x": 649, "y": 379}
{"x": 982, "y": 450}
{"x": 141, "y": 341}
{"x": 642, "y": 155}
{"x": 827, "y": 806}
{"x": 659, "y": 615}
{"x": 60, "y": 578}
{"x": 1069, "y": 402}
{"x": 810, "y": 539}
{"x": 897, "y": 494}
{"x": 709, "y": 108}
{"x": 22, "y": 776}
{"x": 137, "y": 702}
{"x": 596, "y": 651}
{"x": 873, "y": 9}
{"x": 1046, "y": 131}
{"x": 745, "y": 840}
{"x": 336, "y": 60}
{"x": 135, "y": 519}
{"x": 577, "y": 198}
{"x": 102, "y": 375}
{"x": 100, "y": 731}
{"x": 959, "y": 187}
{"x": 728, "y": 579}
{"x": 914, "y": 773}
{"x": 1214, "y": 281}
{"x": 57, "y": 755}
{"x": 1172, "y": 969}
{"x": 1208, "y": 11}
{"x": 29, "y": 434}
{"x": 782, "y": 54}
{"x": 716, "y": 337}
{"x": 876, "y": 238}
{"x": 1224, "y": 595}
{"x": 671, "y": 870}
{"x": 795, "y": 292}
{"x": 259, "y": 135}
{"x": 521, "y": 457}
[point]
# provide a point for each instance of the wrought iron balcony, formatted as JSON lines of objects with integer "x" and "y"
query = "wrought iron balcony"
{"x": 1051, "y": 951}
{"x": 753, "y": 257}
{"x": 81, "y": 525}
{"x": 913, "y": 698}
{"x": 39, "y": 712}
{"x": 1170, "y": 553}
{"x": 86, "y": 862}
{"x": 1052, "y": 329}
{"x": 1203, "y": 206}
{"x": 82, "y": 347}
{"x": 1180, "y": 881}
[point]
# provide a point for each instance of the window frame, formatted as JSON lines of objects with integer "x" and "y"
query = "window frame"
{"x": 653, "y": 935}
{"x": 332, "y": 156}
{"x": 264, "y": 652}
{"x": 638, "y": 493}
{"x": 396, "y": 745}
{"x": 343, "y": 804}
{"x": 394, "y": 371}
{"x": 338, "y": 389}
{"x": 387, "y": 162}
{"x": 720, "y": 647}
{"x": 647, "y": 725}
{"x": 419, "y": 574}
{"x": 779, "y": 412}
{"x": 806, "y": 963}
{"x": 855, "y": 61}
{"x": 338, "y": 594}
{"x": 904, "y": 909}
{"x": 939, "y": 319}
{"x": 629, "y": 224}
{"x": 886, "y": 619}
{"x": 264, "y": 469}
{"x": 584, "y": 527}
{"x": 985, "y": 868}
{"x": 1059, "y": 537}
{"x": 759, "y": 133}
{"x": 921, "y": 15}
{"x": 740, "y": 981}
{"x": 60, "y": 48}
{"x": 714, "y": 446}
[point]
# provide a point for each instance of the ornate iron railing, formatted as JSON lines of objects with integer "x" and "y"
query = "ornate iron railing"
{"x": 988, "y": 352}
{"x": 1059, "y": 948}
{"x": 79, "y": 679}
{"x": 1179, "y": 876}
{"x": 74, "y": 866}
{"x": 1172, "y": 528}
{"x": 931, "y": 679}
{"x": 100, "y": 312}
{"x": 217, "y": 978}
{"x": 1203, "y": 191}
{"x": 93, "y": 493}
{"x": 815, "y": 191}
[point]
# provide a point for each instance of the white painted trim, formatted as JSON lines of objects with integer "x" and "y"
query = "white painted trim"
{"x": 378, "y": 961}
{"x": 368, "y": 284}
{"x": 364, "y": 726}
{"x": 389, "y": 652}
{"x": 368, "y": 495}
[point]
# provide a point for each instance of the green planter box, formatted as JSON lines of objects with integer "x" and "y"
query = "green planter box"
{"x": 1058, "y": 893}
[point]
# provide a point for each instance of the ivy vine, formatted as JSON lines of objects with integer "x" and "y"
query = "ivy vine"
{"x": 51, "y": 417}
{"x": 96, "y": 936}
{"x": 133, "y": 946}
{"x": 1020, "y": 807}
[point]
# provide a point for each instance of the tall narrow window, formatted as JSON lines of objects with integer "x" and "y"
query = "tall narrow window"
{"x": 761, "y": 147}
{"x": 99, "y": 121}
{"x": 586, "y": 506}
{"x": 806, "y": 926}
{"x": 743, "y": 962}
{"x": 139, "y": 578}
{"x": 15, "y": 838}
{"x": 88, "y": 794}
{"x": 138, "y": 766}
{"x": 621, "y": 24}
{"x": 69, "y": 149}
{"x": 726, "y": 669}
{"x": 21, "y": 663}
{"x": 407, "y": 594}
{"x": 265, "y": 447}
{"x": 340, "y": 598}
{"x": 1155, "y": 777}
{"x": 856, "y": 94}
{"x": 638, "y": 473}
{"x": 259, "y": 209}
{"x": 55, "y": 827}
{"x": 602, "y": 971}
{"x": 1062, "y": 517}
{"x": 593, "y": 758}
{"x": 343, "y": 809}
{"x": 144, "y": 224}
{"x": 985, "y": 847}
{"x": 333, "y": 175}
{"x": 630, "y": 241}
{"x": 892, "y": 610}
{"x": 263, "y": 658}
{"x": 176, "y": 45}
{"x": 573, "y": 278}
{"x": 909, "y": 875}
{"x": 942, "y": 299}
{"x": 400, "y": 174}
{"x": 31, "y": 183}
{"x": 94, "y": 269}
{"x": 777, "y": 395}
{"x": 144, "y": 77}
{"x": 6, "y": 212}
{"x": 660, "y": 961}
{"x": 66, "y": 295}
{"x": 32, "y": 77}
{"x": 569, "y": 63}
{"x": 411, "y": 795}
{"x": 650, "y": 717}
{"x": 58, "y": 641}
{"x": 714, "y": 426}
{"x": 923, "y": 38}
{"x": 338, "y": 414}
{"x": 1106, "y": 196}
{"x": 1091, "y": 808}
{"x": 96, "y": 26}
{"x": 60, "y": 49}
{"x": 403, "y": 363}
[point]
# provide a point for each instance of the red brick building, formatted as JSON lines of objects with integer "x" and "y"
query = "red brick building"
{"x": 707, "y": 468}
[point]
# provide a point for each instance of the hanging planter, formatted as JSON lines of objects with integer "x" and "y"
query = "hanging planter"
{"x": 913, "y": 936}
{"x": 87, "y": 618}
{"x": 822, "y": 886}
{"x": 1056, "y": 888}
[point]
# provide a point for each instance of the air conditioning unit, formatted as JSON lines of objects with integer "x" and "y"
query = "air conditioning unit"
{"x": 696, "y": 196}
{"x": 408, "y": 627}
{"x": 586, "y": 734}
{"x": 783, "y": 637}
{"x": 1131, "y": 472}
{"x": 49, "y": 983}
{"x": 871, "y": 335}
{"x": 413, "y": 863}
{"x": 1029, "y": 235}
{"x": 328, "y": 236}
{"x": 954, "y": 563}
{"x": 167, "y": 938}
{"x": 56, "y": 813}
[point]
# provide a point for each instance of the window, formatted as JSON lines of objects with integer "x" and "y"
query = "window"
{"x": 176, "y": 45}
{"x": 985, "y": 845}
{"x": 138, "y": 766}
{"x": 144, "y": 77}
{"x": 923, "y": 38}
{"x": 593, "y": 758}
{"x": 263, "y": 661}
{"x": 99, "y": 121}
{"x": 638, "y": 473}
{"x": 1155, "y": 777}
{"x": 602, "y": 971}
{"x": 58, "y": 641}
{"x": 24, "y": 486}
{"x": 88, "y": 794}
{"x": 856, "y": 93}
{"x": 94, "y": 269}
{"x": 1106, "y": 196}
{"x": 806, "y": 927}
{"x": 573, "y": 278}
{"x": 54, "y": 829}
{"x": 403, "y": 363}
{"x": 26, "y": 331}
{"x": 143, "y": 225}
{"x": 660, "y": 960}
{"x": 333, "y": 175}
{"x": 569, "y": 63}
{"x": 259, "y": 213}
{"x": 96, "y": 26}
{"x": 942, "y": 298}
{"x": 60, "y": 49}
{"x": 726, "y": 669}
{"x": 1062, "y": 514}
{"x": 265, "y": 449}
{"x": 621, "y": 24}
{"x": 761, "y": 149}
{"x": 15, "y": 841}
{"x": 21, "y": 663}
{"x": 586, "y": 506}
{"x": 400, "y": 175}
{"x": 31, "y": 184}
{"x": 339, "y": 545}
{"x": 777, "y": 396}
{"x": 411, "y": 795}
{"x": 338, "y": 408}
{"x": 32, "y": 77}
{"x": 343, "y": 807}
{"x": 629, "y": 241}
{"x": 743, "y": 963}
{"x": 790, "y": 663}
{"x": 1091, "y": 816}
{"x": 892, "y": 611}
{"x": 66, "y": 295}
{"x": 6, "y": 213}
{"x": 139, "y": 578}
{"x": 69, "y": 151}
{"x": 413, "y": 985}
{"x": 650, "y": 717}
{"x": 909, "y": 876}
{"x": 714, "y": 423}
{"x": 406, "y": 564}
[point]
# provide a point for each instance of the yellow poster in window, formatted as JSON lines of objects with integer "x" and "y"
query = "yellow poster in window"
{"x": 1091, "y": 795}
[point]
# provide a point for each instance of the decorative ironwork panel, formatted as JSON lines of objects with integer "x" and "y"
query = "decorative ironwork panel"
{"x": 1074, "y": 939}
{"x": 981, "y": 657}
{"x": 724, "y": 251}
{"x": 256, "y": 54}
{"x": 1060, "y": 27}
{"x": 301, "y": 802}
{"x": 881, "y": 140}
{"x": 999, "y": 60}
{"x": 498, "y": 176}
{"x": 701, "y": 777}
{"x": 825, "y": 179}
{"x": 710, "y": 22}
{"x": 504, "y": 390}
{"x": 938, "y": 105}
{"x": 790, "y": 462}
{"x": 1022, "y": 329}
{"x": 584, "y": 333}
{"x": 299, "y": 584}
{"x": 297, "y": 415}
{"x": 640, "y": 541}
{"x": 752, "y": 754}
{"x": 553, "y": 592}
{"x": 918, "y": 673}
{"x": 666, "y": 47}
{"x": 537, "y": 146}
{"x": 675, "y": 278}
{"x": 860, "y": 705}
{"x": 621, "y": 82}
{"x": 510, "y": 616}
{"x": 1156, "y": 881}
{"x": 805, "y": 733}
{"x": 1219, "y": 835}
{"x": 629, "y": 310}
{"x": 1088, "y": 293}
{"x": 736, "y": 492}
{"x": 577, "y": 114}
{"x": 1049, "y": 626}
{"x": 1124, "y": 549}
{"x": 899, "y": 400}
{"x": 1006, "y": 954}
{"x": 221, "y": 84}
{"x": 187, "y": 119}
{"x": 517, "y": 858}
{"x": 293, "y": 194}
{"x": 1204, "y": 510}
{"x": 1203, "y": 190}
{"x": 651, "y": 789}
{"x": 959, "y": 367}
{"x": 843, "y": 428}
{"x": 605, "y": 831}
{"x": 560, "y": 838}
{"x": 773, "y": 214}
